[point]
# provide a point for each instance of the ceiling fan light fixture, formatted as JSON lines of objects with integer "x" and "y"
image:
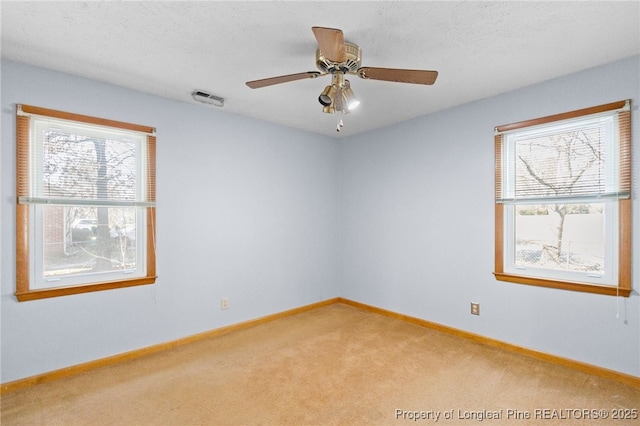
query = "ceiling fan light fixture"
{"x": 352, "y": 103}
{"x": 327, "y": 95}
{"x": 338, "y": 58}
{"x": 350, "y": 99}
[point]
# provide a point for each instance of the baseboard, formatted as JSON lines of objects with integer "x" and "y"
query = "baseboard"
{"x": 138, "y": 353}
{"x": 149, "y": 350}
{"x": 626, "y": 379}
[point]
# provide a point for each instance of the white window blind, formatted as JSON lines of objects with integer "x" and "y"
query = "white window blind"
{"x": 587, "y": 157}
{"x": 70, "y": 163}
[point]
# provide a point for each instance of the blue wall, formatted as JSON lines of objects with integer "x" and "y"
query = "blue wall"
{"x": 418, "y": 226}
{"x": 246, "y": 210}
{"x": 275, "y": 218}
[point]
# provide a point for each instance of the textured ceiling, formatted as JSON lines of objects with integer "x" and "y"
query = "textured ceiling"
{"x": 171, "y": 48}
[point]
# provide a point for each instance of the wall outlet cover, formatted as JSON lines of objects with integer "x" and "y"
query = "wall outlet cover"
{"x": 475, "y": 308}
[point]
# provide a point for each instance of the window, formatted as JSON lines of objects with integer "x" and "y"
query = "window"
{"x": 563, "y": 207}
{"x": 85, "y": 213}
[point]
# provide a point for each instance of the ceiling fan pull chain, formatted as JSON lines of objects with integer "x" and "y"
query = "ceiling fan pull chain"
{"x": 340, "y": 122}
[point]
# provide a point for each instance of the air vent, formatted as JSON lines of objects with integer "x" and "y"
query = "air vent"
{"x": 207, "y": 98}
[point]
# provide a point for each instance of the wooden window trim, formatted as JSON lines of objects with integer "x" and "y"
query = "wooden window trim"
{"x": 23, "y": 292}
{"x": 624, "y": 287}
{"x": 563, "y": 116}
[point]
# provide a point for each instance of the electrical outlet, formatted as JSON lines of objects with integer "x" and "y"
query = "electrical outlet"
{"x": 475, "y": 308}
{"x": 224, "y": 303}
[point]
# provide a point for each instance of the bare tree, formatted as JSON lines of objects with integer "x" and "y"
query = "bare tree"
{"x": 571, "y": 158}
{"x": 90, "y": 168}
{"x": 103, "y": 243}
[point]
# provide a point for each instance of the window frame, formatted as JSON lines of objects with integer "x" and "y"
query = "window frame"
{"x": 24, "y": 292}
{"x": 623, "y": 287}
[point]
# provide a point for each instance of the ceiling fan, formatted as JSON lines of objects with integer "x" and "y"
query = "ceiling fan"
{"x": 338, "y": 57}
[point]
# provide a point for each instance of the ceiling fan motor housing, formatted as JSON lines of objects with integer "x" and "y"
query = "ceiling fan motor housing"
{"x": 350, "y": 65}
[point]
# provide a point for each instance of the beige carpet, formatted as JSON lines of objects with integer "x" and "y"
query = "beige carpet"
{"x": 332, "y": 365}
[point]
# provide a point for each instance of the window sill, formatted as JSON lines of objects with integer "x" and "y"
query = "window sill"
{"x": 66, "y": 291}
{"x": 564, "y": 285}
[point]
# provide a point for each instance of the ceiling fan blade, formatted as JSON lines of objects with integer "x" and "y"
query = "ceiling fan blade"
{"x": 255, "y": 84}
{"x": 398, "y": 75}
{"x": 331, "y": 43}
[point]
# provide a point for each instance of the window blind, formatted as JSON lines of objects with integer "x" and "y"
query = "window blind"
{"x": 92, "y": 162}
{"x": 586, "y": 156}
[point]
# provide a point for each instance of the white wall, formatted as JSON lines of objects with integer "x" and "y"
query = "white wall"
{"x": 246, "y": 210}
{"x": 418, "y": 226}
{"x": 278, "y": 218}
